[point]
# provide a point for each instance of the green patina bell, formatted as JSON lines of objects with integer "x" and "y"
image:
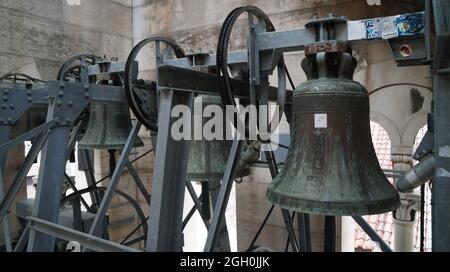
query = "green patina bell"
{"x": 331, "y": 167}
{"x": 108, "y": 126}
{"x": 208, "y": 159}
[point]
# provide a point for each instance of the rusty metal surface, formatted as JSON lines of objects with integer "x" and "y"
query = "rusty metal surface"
{"x": 327, "y": 46}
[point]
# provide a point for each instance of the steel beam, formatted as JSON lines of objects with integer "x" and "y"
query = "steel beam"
{"x": 441, "y": 116}
{"x": 224, "y": 194}
{"x": 68, "y": 234}
{"x": 49, "y": 185}
{"x": 4, "y": 136}
{"x": 168, "y": 187}
{"x": 199, "y": 82}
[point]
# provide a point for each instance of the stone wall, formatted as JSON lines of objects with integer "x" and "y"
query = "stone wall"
{"x": 38, "y": 35}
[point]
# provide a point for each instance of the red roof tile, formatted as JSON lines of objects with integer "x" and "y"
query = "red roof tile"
{"x": 383, "y": 223}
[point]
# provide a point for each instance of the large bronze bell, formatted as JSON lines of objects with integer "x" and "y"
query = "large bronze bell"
{"x": 208, "y": 159}
{"x": 331, "y": 167}
{"x": 108, "y": 126}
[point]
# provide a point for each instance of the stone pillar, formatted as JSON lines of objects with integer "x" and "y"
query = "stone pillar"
{"x": 404, "y": 217}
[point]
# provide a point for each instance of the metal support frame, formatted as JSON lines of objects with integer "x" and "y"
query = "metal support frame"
{"x": 166, "y": 209}
{"x": 68, "y": 234}
{"x": 224, "y": 194}
{"x": 441, "y": 116}
{"x": 96, "y": 227}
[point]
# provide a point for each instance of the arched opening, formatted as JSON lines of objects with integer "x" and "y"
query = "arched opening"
{"x": 382, "y": 223}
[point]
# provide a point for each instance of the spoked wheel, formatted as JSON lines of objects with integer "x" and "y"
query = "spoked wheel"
{"x": 126, "y": 222}
{"x": 258, "y": 18}
{"x": 19, "y": 77}
{"x": 141, "y": 93}
{"x": 72, "y": 68}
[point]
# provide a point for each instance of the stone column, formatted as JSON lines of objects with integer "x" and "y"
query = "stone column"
{"x": 404, "y": 217}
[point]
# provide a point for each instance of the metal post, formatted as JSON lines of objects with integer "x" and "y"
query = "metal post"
{"x": 441, "y": 115}
{"x": 49, "y": 185}
{"x": 4, "y": 136}
{"x": 330, "y": 234}
{"x": 168, "y": 187}
{"x": 223, "y": 245}
{"x": 304, "y": 232}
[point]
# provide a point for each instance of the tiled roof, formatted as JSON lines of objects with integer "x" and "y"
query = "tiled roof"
{"x": 383, "y": 223}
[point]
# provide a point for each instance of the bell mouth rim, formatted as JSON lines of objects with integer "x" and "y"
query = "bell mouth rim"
{"x": 335, "y": 208}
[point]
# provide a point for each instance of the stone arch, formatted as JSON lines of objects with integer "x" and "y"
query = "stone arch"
{"x": 388, "y": 125}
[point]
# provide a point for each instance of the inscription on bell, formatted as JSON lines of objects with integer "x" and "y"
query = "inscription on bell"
{"x": 314, "y": 179}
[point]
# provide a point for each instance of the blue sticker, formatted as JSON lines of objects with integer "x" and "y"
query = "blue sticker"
{"x": 410, "y": 24}
{"x": 373, "y": 28}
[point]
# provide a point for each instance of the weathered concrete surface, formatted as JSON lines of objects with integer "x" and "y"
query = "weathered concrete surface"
{"x": 38, "y": 35}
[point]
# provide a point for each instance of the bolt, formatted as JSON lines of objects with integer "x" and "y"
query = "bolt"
{"x": 68, "y": 120}
{"x": 61, "y": 85}
{"x": 253, "y": 79}
{"x": 59, "y": 103}
{"x": 86, "y": 95}
{"x": 6, "y": 91}
{"x": 60, "y": 93}
{"x": 9, "y": 120}
{"x": 5, "y": 98}
{"x": 29, "y": 99}
{"x": 11, "y": 106}
{"x": 70, "y": 103}
{"x": 29, "y": 92}
{"x": 3, "y": 106}
{"x": 86, "y": 87}
{"x": 252, "y": 27}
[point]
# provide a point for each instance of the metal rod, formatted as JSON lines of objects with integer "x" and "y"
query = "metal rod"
{"x": 224, "y": 194}
{"x": 139, "y": 183}
{"x": 330, "y": 234}
{"x": 87, "y": 167}
{"x": 188, "y": 217}
{"x": 74, "y": 188}
{"x": 68, "y": 234}
{"x": 28, "y": 135}
{"x": 290, "y": 230}
{"x": 21, "y": 174}
{"x": 48, "y": 193}
{"x": 261, "y": 228}
{"x": 304, "y": 233}
{"x": 22, "y": 242}
{"x": 372, "y": 233}
{"x": 96, "y": 229}
{"x": 197, "y": 203}
{"x": 77, "y": 223}
{"x": 134, "y": 231}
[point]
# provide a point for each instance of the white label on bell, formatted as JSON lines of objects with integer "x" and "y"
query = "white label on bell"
{"x": 320, "y": 120}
